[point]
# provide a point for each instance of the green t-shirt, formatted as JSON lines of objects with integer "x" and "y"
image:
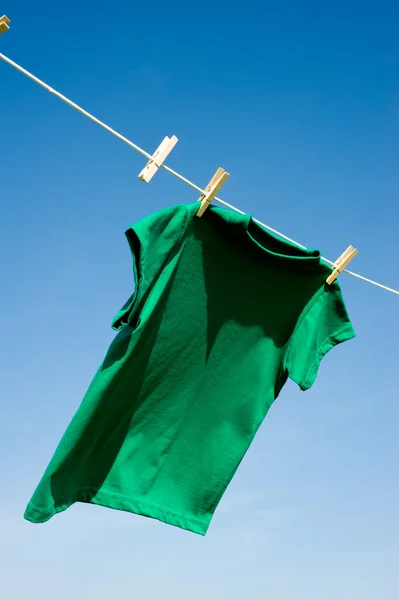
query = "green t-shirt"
{"x": 222, "y": 314}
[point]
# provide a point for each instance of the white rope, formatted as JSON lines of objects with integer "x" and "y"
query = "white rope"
{"x": 168, "y": 169}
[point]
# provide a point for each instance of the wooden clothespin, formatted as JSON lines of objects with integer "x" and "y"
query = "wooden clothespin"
{"x": 341, "y": 263}
{"x": 158, "y": 158}
{"x": 212, "y": 189}
{"x": 4, "y": 21}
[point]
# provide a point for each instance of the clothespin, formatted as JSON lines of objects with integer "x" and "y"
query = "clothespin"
{"x": 158, "y": 158}
{"x": 341, "y": 263}
{"x": 4, "y": 21}
{"x": 212, "y": 189}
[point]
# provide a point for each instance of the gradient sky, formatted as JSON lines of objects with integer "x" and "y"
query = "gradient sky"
{"x": 300, "y": 103}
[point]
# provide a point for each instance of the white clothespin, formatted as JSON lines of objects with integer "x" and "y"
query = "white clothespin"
{"x": 341, "y": 263}
{"x": 158, "y": 158}
{"x": 212, "y": 189}
{"x": 4, "y": 21}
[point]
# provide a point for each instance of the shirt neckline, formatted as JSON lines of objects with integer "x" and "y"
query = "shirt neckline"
{"x": 277, "y": 248}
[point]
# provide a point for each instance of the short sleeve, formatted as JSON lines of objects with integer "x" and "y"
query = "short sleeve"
{"x": 324, "y": 324}
{"x": 151, "y": 242}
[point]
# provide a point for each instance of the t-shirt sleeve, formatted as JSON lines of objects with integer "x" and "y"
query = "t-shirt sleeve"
{"x": 151, "y": 242}
{"x": 324, "y": 324}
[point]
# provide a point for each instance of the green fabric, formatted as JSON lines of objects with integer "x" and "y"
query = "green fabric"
{"x": 222, "y": 313}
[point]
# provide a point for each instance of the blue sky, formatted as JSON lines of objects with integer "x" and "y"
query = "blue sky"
{"x": 300, "y": 103}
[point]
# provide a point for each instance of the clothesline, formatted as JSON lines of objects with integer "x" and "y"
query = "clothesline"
{"x": 168, "y": 169}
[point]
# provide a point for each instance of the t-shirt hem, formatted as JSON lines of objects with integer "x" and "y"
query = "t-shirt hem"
{"x": 35, "y": 514}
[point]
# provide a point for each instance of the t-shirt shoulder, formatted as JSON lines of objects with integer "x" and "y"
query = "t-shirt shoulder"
{"x": 151, "y": 241}
{"x": 324, "y": 323}
{"x": 156, "y": 223}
